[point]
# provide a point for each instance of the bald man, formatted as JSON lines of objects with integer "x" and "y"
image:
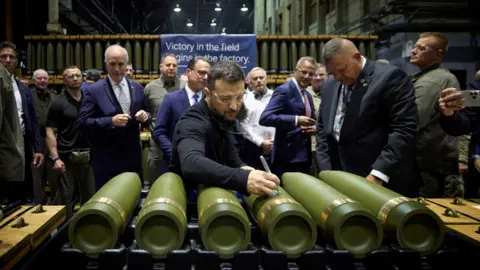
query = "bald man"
{"x": 111, "y": 111}
{"x": 41, "y": 99}
{"x": 368, "y": 119}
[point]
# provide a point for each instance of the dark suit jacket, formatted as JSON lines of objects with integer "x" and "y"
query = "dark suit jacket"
{"x": 30, "y": 119}
{"x": 168, "y": 113}
{"x": 379, "y": 127}
{"x": 113, "y": 149}
{"x": 289, "y": 144}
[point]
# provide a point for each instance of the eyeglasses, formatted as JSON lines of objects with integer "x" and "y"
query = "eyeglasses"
{"x": 305, "y": 73}
{"x": 229, "y": 100}
{"x": 201, "y": 73}
{"x": 76, "y": 76}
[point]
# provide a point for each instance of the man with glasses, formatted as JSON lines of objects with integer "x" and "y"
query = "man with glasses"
{"x": 291, "y": 112}
{"x": 176, "y": 103}
{"x": 155, "y": 92}
{"x": 68, "y": 146}
{"x": 22, "y": 188}
{"x": 111, "y": 112}
{"x": 436, "y": 151}
{"x": 368, "y": 119}
{"x": 202, "y": 147}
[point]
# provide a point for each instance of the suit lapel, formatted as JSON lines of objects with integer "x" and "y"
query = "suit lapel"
{"x": 23, "y": 94}
{"x": 184, "y": 101}
{"x": 108, "y": 88}
{"x": 353, "y": 108}
{"x": 333, "y": 105}
{"x": 131, "y": 91}
{"x": 298, "y": 97}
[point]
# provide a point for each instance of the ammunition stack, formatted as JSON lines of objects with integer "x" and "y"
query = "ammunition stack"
{"x": 122, "y": 227}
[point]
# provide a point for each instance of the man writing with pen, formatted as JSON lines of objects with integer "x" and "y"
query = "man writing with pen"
{"x": 202, "y": 146}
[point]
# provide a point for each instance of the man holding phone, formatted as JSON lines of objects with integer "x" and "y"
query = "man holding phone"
{"x": 457, "y": 120}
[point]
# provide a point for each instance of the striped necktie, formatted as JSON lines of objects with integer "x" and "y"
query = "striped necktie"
{"x": 122, "y": 99}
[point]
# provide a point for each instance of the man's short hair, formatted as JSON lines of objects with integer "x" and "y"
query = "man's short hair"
{"x": 319, "y": 65}
{"x": 191, "y": 63}
{"x": 258, "y": 68}
{"x": 35, "y": 73}
{"x": 307, "y": 59}
{"x": 69, "y": 67}
{"x": 442, "y": 40}
{"x": 331, "y": 49}
{"x": 119, "y": 47}
{"x": 167, "y": 55}
{"x": 8, "y": 45}
{"x": 93, "y": 74}
{"x": 228, "y": 71}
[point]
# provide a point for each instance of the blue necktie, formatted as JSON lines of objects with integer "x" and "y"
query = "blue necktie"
{"x": 195, "y": 97}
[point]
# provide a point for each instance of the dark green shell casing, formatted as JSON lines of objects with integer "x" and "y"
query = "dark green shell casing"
{"x": 97, "y": 224}
{"x": 161, "y": 225}
{"x": 285, "y": 223}
{"x": 223, "y": 224}
{"x": 405, "y": 221}
{"x": 343, "y": 221}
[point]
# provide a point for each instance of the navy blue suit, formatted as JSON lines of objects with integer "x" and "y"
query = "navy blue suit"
{"x": 32, "y": 133}
{"x": 292, "y": 150}
{"x": 168, "y": 113}
{"x": 114, "y": 150}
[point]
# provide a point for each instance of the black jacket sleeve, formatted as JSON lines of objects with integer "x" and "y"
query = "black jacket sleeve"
{"x": 403, "y": 117}
{"x": 195, "y": 166}
{"x": 464, "y": 121}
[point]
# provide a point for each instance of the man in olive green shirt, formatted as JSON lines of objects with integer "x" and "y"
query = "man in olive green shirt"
{"x": 154, "y": 92}
{"x": 436, "y": 152}
{"x": 12, "y": 161}
{"x": 315, "y": 90}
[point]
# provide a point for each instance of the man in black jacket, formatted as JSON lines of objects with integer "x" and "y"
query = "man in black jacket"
{"x": 457, "y": 120}
{"x": 202, "y": 147}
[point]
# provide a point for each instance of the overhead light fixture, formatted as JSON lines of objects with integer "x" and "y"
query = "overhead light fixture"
{"x": 213, "y": 23}
{"x": 177, "y": 9}
{"x": 218, "y": 8}
{"x": 189, "y": 23}
{"x": 244, "y": 8}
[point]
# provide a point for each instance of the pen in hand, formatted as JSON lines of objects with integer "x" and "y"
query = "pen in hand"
{"x": 267, "y": 169}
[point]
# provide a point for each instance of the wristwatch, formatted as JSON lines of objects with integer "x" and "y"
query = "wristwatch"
{"x": 55, "y": 159}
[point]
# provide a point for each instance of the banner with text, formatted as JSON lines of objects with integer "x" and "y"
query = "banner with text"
{"x": 239, "y": 48}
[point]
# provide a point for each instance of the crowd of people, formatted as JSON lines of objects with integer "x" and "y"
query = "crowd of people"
{"x": 212, "y": 124}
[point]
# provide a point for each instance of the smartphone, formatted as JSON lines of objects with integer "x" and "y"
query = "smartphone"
{"x": 471, "y": 98}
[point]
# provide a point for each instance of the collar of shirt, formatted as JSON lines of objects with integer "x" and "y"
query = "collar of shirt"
{"x": 300, "y": 89}
{"x": 190, "y": 93}
{"x": 122, "y": 83}
{"x": 170, "y": 83}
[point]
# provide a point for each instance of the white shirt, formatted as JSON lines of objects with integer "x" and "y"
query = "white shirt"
{"x": 190, "y": 94}
{"x": 124, "y": 85}
{"x": 336, "y": 133}
{"x": 250, "y": 126}
{"x": 299, "y": 88}
{"x": 18, "y": 100}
